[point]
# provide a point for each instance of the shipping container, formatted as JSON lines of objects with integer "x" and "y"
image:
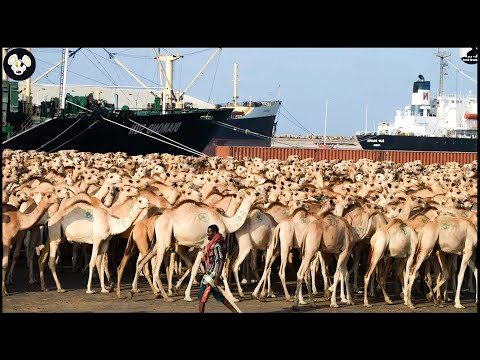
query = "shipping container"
{"x": 265, "y": 153}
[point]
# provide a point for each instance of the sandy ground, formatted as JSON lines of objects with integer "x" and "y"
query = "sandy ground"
{"x": 25, "y": 298}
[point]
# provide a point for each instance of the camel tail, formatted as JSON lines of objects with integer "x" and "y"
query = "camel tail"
{"x": 304, "y": 238}
{"x": 130, "y": 244}
{"x": 276, "y": 237}
{"x": 369, "y": 226}
{"x": 152, "y": 243}
{"x": 417, "y": 248}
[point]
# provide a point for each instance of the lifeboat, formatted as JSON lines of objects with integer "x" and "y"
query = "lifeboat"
{"x": 470, "y": 116}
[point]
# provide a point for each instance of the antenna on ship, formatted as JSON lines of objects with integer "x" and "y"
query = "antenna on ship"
{"x": 442, "y": 55}
{"x": 366, "y": 118}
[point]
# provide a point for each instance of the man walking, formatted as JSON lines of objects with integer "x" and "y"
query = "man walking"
{"x": 214, "y": 258}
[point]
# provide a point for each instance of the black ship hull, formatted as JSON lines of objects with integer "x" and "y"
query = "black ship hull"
{"x": 94, "y": 134}
{"x": 226, "y": 136}
{"x": 417, "y": 143}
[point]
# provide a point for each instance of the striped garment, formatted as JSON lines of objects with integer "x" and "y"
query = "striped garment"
{"x": 216, "y": 258}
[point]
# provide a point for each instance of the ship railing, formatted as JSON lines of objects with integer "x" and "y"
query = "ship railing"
{"x": 365, "y": 133}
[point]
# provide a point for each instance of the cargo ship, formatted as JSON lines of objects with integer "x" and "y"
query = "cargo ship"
{"x": 184, "y": 125}
{"x": 93, "y": 125}
{"x": 445, "y": 123}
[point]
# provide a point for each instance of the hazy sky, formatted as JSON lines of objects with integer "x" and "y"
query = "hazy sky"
{"x": 303, "y": 78}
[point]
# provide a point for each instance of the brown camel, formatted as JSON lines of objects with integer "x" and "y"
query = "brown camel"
{"x": 13, "y": 221}
{"x": 452, "y": 235}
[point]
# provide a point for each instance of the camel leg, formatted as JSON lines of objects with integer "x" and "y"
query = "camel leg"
{"x": 16, "y": 253}
{"x": 140, "y": 264}
{"x": 246, "y": 270}
{"x": 304, "y": 267}
{"x": 466, "y": 258}
{"x": 149, "y": 276}
{"x": 383, "y": 279}
{"x": 423, "y": 254}
{"x": 253, "y": 266}
{"x": 170, "y": 269}
{"x": 307, "y": 278}
{"x": 183, "y": 252}
{"x": 106, "y": 267}
{"x": 408, "y": 268}
{"x": 6, "y": 253}
{"x": 195, "y": 267}
{"x": 473, "y": 268}
{"x": 156, "y": 275}
{"x": 42, "y": 259}
{"x": 377, "y": 249}
{"x": 341, "y": 267}
{"x": 325, "y": 273}
{"x": 347, "y": 287}
{"x": 313, "y": 271}
{"x": 356, "y": 262}
{"x": 91, "y": 265}
{"x": 343, "y": 278}
{"x": 33, "y": 240}
{"x": 471, "y": 287}
{"x": 120, "y": 270}
{"x": 179, "y": 267}
{"x": 102, "y": 265}
{"x": 242, "y": 254}
{"x": 284, "y": 252}
{"x": 269, "y": 259}
{"x": 400, "y": 265}
{"x": 442, "y": 277}
{"x": 75, "y": 255}
{"x": 54, "y": 245}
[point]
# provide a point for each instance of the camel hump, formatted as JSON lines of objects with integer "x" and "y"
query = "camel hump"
{"x": 393, "y": 222}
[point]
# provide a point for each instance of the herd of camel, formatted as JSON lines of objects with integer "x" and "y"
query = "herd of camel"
{"x": 382, "y": 217}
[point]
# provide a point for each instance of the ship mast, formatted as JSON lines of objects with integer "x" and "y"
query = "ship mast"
{"x": 235, "y": 83}
{"x": 442, "y": 55}
{"x": 63, "y": 78}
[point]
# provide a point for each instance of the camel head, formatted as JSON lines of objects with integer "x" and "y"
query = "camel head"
{"x": 51, "y": 197}
{"x": 142, "y": 202}
{"x": 113, "y": 178}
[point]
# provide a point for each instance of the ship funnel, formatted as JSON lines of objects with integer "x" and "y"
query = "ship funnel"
{"x": 421, "y": 92}
{"x": 421, "y": 97}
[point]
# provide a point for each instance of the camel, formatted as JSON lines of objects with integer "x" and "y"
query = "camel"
{"x": 187, "y": 223}
{"x": 13, "y": 221}
{"x": 452, "y": 235}
{"x": 140, "y": 236}
{"x": 255, "y": 233}
{"x": 32, "y": 236}
{"x": 289, "y": 234}
{"x": 394, "y": 240}
{"x": 330, "y": 234}
{"x": 85, "y": 223}
{"x": 365, "y": 219}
